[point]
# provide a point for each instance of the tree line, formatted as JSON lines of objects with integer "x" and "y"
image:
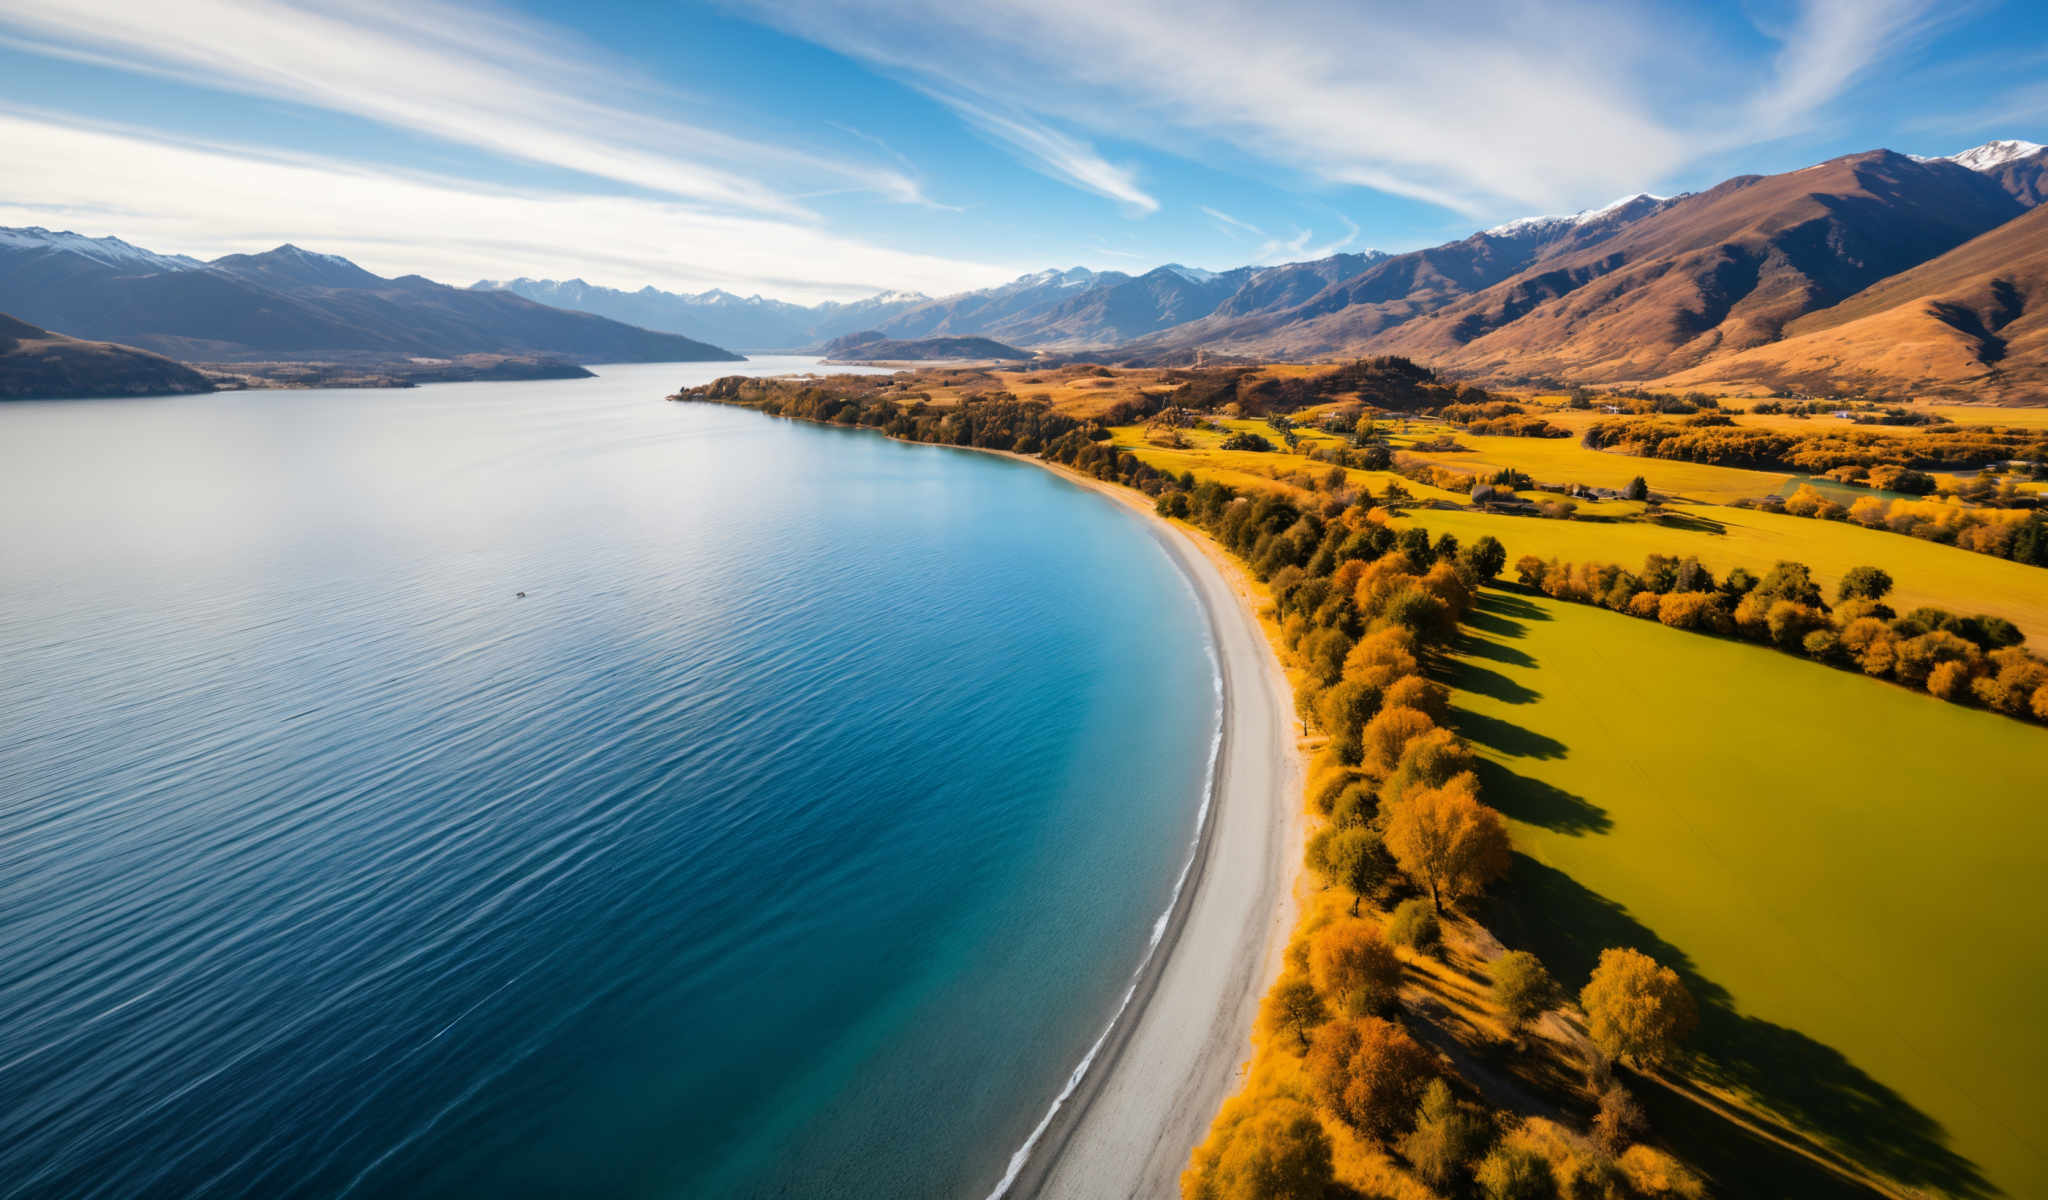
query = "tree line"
{"x": 1976, "y": 659}
{"x": 1714, "y": 439}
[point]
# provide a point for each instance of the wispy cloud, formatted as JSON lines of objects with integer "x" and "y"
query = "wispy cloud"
{"x": 211, "y": 199}
{"x": 1302, "y": 247}
{"x": 1475, "y": 107}
{"x": 1230, "y": 224}
{"x": 471, "y": 76}
{"x": 1053, "y": 153}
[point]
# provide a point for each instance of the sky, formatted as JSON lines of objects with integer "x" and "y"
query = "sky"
{"x": 828, "y": 149}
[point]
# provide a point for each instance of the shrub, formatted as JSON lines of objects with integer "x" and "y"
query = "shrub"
{"x": 1657, "y": 1175}
{"x": 1620, "y": 1120}
{"x": 1414, "y": 925}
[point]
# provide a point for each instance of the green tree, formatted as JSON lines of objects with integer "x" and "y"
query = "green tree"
{"x": 1513, "y": 1172}
{"x": 1414, "y": 925}
{"x": 1447, "y": 1138}
{"x": 1522, "y": 989}
{"x": 1486, "y": 557}
{"x": 1864, "y": 583}
{"x": 1350, "y": 857}
{"x": 1637, "y": 489}
{"x": 1292, "y": 1009}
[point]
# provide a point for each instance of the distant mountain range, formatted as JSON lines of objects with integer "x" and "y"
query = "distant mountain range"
{"x": 35, "y": 362}
{"x": 1769, "y": 280}
{"x": 292, "y": 304}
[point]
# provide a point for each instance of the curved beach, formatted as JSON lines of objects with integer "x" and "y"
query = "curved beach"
{"x": 1177, "y": 1051}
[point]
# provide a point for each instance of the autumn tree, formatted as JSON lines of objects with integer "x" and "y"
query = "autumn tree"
{"x": 1522, "y": 989}
{"x": 1262, "y": 1148}
{"x": 1292, "y": 1009}
{"x": 1447, "y": 1138}
{"x": 1387, "y": 735}
{"x": 1349, "y": 961}
{"x": 1620, "y": 1120}
{"x": 1637, "y": 489}
{"x": 1636, "y": 1008}
{"x": 1445, "y": 839}
{"x": 1370, "y": 1073}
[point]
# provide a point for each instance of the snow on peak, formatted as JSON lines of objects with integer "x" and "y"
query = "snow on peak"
{"x": 1528, "y": 225}
{"x": 895, "y": 297}
{"x": 109, "y": 251}
{"x": 1992, "y": 155}
{"x": 1191, "y": 274}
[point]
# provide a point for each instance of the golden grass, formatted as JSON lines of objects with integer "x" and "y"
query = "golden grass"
{"x": 1565, "y": 461}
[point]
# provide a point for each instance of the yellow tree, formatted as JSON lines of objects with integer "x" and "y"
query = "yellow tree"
{"x": 1350, "y": 962}
{"x": 1636, "y": 1008}
{"x": 1262, "y": 1148}
{"x": 1445, "y": 839}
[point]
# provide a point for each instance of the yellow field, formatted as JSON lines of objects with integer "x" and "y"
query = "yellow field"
{"x": 1564, "y": 460}
{"x": 1923, "y": 572}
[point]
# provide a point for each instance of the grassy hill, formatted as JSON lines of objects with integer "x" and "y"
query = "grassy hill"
{"x": 38, "y": 364}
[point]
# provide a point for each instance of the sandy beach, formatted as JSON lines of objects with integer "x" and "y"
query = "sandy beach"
{"x": 1179, "y": 1048}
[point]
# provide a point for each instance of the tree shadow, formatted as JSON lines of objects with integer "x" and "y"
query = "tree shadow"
{"x": 1468, "y": 646}
{"x": 1689, "y": 521}
{"x": 1493, "y": 623}
{"x": 1507, "y": 604}
{"x": 1515, "y": 741}
{"x": 1824, "y": 1101}
{"x": 1465, "y": 675}
{"x": 1534, "y": 802}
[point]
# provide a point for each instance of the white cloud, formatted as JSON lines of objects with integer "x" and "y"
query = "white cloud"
{"x": 208, "y": 200}
{"x": 472, "y": 76}
{"x": 1230, "y": 224}
{"x": 1055, "y": 154}
{"x": 1301, "y": 247}
{"x": 1479, "y": 107}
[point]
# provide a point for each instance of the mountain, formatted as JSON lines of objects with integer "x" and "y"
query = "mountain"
{"x": 43, "y": 365}
{"x": 717, "y": 316}
{"x": 1972, "y": 320}
{"x": 291, "y": 304}
{"x": 876, "y": 347}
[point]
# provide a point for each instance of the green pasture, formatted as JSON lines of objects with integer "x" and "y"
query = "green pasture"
{"x": 1851, "y": 876}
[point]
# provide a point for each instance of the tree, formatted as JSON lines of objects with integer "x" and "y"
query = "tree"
{"x": 1263, "y": 1148}
{"x": 1522, "y": 989}
{"x": 1515, "y": 1172}
{"x": 1292, "y": 1009}
{"x": 1448, "y": 1136}
{"x": 1431, "y": 759}
{"x": 1386, "y": 736}
{"x": 1486, "y": 557}
{"x": 1349, "y": 857}
{"x": 1415, "y": 926}
{"x": 1351, "y": 963}
{"x": 1864, "y": 583}
{"x": 1445, "y": 839}
{"x": 1637, "y": 489}
{"x": 1370, "y": 1073}
{"x": 1635, "y": 1008}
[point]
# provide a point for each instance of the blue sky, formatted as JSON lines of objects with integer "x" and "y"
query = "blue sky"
{"x": 814, "y": 149}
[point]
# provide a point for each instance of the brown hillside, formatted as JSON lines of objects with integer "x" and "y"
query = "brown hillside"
{"x": 1714, "y": 273}
{"x": 1974, "y": 319}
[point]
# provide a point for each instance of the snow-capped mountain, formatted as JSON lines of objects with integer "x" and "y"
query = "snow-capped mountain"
{"x": 1992, "y": 155}
{"x": 1628, "y": 206}
{"x": 716, "y": 315}
{"x": 106, "y": 251}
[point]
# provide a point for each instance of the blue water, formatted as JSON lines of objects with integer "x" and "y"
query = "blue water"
{"x": 795, "y": 835}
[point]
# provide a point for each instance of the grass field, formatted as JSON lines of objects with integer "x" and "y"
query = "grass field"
{"x": 1851, "y": 875}
{"x": 1924, "y": 572}
{"x": 1565, "y": 460}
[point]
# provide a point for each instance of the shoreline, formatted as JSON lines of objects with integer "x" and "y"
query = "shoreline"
{"x": 1147, "y": 1092}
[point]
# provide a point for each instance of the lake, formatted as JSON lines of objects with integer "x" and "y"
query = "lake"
{"x": 794, "y": 834}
